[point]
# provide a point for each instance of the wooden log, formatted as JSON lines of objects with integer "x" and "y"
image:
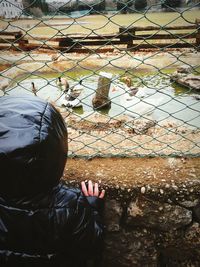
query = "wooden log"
{"x": 81, "y": 50}
{"x": 7, "y": 33}
{"x": 124, "y": 29}
{"x": 163, "y": 36}
{"x": 22, "y": 44}
{"x": 84, "y": 36}
{"x": 94, "y": 42}
{"x": 162, "y": 45}
{"x": 101, "y": 98}
{"x": 66, "y": 42}
{"x": 7, "y": 40}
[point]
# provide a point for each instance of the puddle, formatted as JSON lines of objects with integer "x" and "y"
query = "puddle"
{"x": 157, "y": 97}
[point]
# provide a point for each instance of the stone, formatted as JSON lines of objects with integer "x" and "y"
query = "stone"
{"x": 140, "y": 126}
{"x": 196, "y": 211}
{"x": 155, "y": 215}
{"x": 113, "y": 214}
{"x": 189, "y": 203}
{"x": 143, "y": 189}
{"x": 127, "y": 249}
{"x": 188, "y": 80}
{"x": 192, "y": 235}
{"x": 184, "y": 69}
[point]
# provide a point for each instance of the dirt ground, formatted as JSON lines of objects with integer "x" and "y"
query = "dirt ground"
{"x": 100, "y": 135}
{"x": 128, "y": 173}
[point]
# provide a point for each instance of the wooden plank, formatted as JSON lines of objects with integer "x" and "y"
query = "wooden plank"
{"x": 130, "y": 46}
{"x": 124, "y": 29}
{"x": 43, "y": 39}
{"x": 87, "y": 50}
{"x": 9, "y": 47}
{"x": 161, "y": 45}
{"x": 93, "y": 43}
{"x": 72, "y": 37}
{"x": 7, "y": 38}
{"x": 4, "y": 33}
{"x": 158, "y": 36}
{"x": 94, "y": 37}
{"x": 29, "y": 47}
{"x": 8, "y": 41}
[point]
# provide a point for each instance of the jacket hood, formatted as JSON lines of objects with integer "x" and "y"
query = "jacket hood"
{"x": 33, "y": 146}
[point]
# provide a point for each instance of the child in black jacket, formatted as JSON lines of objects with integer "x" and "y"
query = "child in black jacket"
{"x": 42, "y": 221}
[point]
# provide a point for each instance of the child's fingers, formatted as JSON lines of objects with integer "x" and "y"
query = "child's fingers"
{"x": 90, "y": 188}
{"x": 96, "y": 190}
{"x": 84, "y": 189}
{"x": 102, "y": 194}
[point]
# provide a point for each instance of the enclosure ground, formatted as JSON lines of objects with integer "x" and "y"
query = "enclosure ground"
{"x": 133, "y": 172}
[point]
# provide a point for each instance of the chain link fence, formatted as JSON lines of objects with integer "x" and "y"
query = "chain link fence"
{"x": 124, "y": 74}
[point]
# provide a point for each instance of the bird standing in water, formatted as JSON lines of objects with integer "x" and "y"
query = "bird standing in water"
{"x": 128, "y": 82}
{"x": 62, "y": 82}
{"x": 34, "y": 90}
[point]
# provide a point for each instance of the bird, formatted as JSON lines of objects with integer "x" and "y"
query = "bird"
{"x": 132, "y": 90}
{"x": 34, "y": 90}
{"x": 55, "y": 57}
{"x": 141, "y": 106}
{"x": 127, "y": 80}
{"x": 72, "y": 98}
{"x": 62, "y": 82}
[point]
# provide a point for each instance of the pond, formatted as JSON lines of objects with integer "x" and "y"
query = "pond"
{"x": 157, "y": 98}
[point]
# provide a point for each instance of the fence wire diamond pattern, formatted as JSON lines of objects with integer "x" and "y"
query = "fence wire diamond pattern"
{"x": 124, "y": 74}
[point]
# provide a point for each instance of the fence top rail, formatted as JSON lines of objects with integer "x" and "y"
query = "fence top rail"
{"x": 71, "y": 37}
{"x": 151, "y": 28}
{"x": 8, "y": 33}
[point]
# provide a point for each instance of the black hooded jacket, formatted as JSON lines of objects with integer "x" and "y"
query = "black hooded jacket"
{"x": 42, "y": 221}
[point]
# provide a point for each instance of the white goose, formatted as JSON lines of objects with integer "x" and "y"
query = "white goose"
{"x": 143, "y": 104}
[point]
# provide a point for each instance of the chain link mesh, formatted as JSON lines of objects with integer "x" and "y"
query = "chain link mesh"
{"x": 129, "y": 71}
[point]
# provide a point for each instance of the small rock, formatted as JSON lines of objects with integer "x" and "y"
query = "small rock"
{"x": 161, "y": 191}
{"x": 143, "y": 190}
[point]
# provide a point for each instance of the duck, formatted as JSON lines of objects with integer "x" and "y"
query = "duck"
{"x": 71, "y": 102}
{"x": 62, "y": 82}
{"x": 34, "y": 90}
{"x": 127, "y": 80}
{"x": 72, "y": 98}
{"x": 55, "y": 57}
{"x": 132, "y": 90}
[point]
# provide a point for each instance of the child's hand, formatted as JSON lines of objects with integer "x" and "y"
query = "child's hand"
{"x": 92, "y": 190}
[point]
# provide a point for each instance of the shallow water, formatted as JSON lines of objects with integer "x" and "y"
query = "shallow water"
{"x": 157, "y": 98}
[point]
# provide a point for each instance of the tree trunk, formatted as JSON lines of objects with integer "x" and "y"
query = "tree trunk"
{"x": 101, "y": 98}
